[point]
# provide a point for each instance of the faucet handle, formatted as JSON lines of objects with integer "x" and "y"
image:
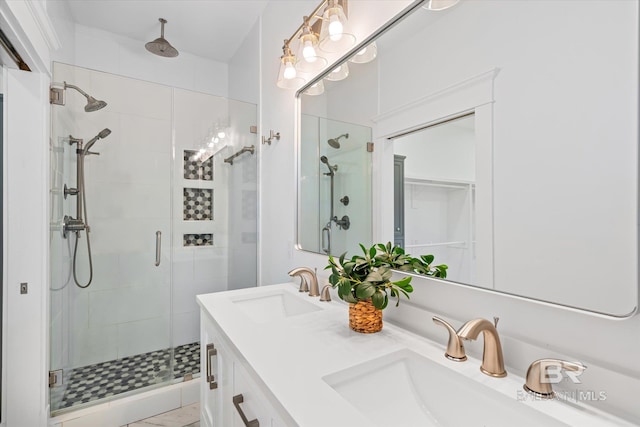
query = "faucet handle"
{"x": 455, "y": 347}
{"x": 325, "y": 295}
{"x": 538, "y": 380}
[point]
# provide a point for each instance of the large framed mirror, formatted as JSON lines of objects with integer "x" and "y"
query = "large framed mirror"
{"x": 505, "y": 140}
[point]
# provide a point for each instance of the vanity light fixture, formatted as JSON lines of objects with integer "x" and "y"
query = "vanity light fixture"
{"x": 366, "y": 54}
{"x": 315, "y": 89}
{"x": 309, "y": 38}
{"x": 329, "y": 19}
{"x": 309, "y": 59}
{"x": 334, "y": 34}
{"x": 288, "y": 76}
{"x": 341, "y": 72}
{"x": 440, "y": 4}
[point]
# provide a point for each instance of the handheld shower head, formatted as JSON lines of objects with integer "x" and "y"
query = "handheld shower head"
{"x": 92, "y": 103}
{"x": 103, "y": 134}
{"x": 332, "y": 169}
{"x": 335, "y": 142}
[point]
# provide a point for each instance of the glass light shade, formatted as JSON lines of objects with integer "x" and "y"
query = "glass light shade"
{"x": 440, "y": 4}
{"x": 316, "y": 89}
{"x": 334, "y": 34}
{"x": 309, "y": 58}
{"x": 365, "y": 55}
{"x": 339, "y": 73}
{"x": 288, "y": 76}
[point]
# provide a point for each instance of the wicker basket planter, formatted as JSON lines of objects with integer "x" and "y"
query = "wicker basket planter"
{"x": 364, "y": 317}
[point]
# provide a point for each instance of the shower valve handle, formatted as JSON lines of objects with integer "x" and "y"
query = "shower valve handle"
{"x": 92, "y": 152}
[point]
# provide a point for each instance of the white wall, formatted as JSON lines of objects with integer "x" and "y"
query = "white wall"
{"x": 25, "y": 255}
{"x": 529, "y": 329}
{"x": 244, "y": 68}
{"x": 101, "y": 50}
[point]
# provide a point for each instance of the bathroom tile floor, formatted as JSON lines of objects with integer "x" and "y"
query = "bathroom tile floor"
{"x": 188, "y": 416}
{"x": 93, "y": 382}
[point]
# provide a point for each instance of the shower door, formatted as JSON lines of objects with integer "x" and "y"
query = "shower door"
{"x": 114, "y": 335}
{"x": 169, "y": 219}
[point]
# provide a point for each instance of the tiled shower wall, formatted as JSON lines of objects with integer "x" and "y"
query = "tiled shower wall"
{"x": 131, "y": 307}
{"x": 197, "y": 269}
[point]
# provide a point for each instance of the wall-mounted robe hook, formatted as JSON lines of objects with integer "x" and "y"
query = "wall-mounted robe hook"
{"x": 272, "y": 135}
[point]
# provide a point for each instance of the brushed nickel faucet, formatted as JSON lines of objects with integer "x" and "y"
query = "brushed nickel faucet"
{"x": 538, "y": 382}
{"x": 492, "y": 361}
{"x": 455, "y": 347}
{"x": 313, "y": 279}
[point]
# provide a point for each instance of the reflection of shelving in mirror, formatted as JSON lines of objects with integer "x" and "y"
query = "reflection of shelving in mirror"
{"x": 439, "y": 218}
{"x": 452, "y": 184}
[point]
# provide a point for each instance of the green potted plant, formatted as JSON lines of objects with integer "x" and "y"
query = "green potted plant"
{"x": 364, "y": 281}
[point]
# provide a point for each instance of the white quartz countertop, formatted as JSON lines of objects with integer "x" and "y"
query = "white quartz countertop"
{"x": 292, "y": 356}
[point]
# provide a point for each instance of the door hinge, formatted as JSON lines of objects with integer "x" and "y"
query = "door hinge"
{"x": 369, "y": 147}
{"x": 55, "y": 378}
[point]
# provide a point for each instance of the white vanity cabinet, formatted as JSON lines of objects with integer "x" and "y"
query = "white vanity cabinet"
{"x": 230, "y": 395}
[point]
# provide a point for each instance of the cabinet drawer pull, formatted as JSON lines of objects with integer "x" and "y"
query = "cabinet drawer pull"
{"x": 237, "y": 400}
{"x": 211, "y": 351}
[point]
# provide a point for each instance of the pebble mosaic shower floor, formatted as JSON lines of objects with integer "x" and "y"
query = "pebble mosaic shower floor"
{"x": 93, "y": 382}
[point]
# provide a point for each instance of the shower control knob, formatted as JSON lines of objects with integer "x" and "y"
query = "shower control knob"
{"x": 345, "y": 200}
{"x": 344, "y": 223}
{"x": 70, "y": 191}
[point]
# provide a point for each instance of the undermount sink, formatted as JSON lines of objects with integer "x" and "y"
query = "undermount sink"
{"x": 406, "y": 389}
{"x": 274, "y": 305}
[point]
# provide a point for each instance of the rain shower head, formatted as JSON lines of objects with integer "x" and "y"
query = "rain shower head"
{"x": 161, "y": 46}
{"x": 92, "y": 103}
{"x": 103, "y": 134}
{"x": 335, "y": 142}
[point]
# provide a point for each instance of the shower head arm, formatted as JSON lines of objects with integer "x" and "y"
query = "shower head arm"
{"x": 162, "y": 22}
{"x": 86, "y": 95}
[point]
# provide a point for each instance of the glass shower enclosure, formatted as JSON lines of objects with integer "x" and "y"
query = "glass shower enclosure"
{"x": 145, "y": 215}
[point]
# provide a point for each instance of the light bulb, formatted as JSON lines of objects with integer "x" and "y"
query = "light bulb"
{"x": 289, "y": 71}
{"x": 335, "y": 28}
{"x": 309, "y": 52}
{"x": 221, "y": 134}
{"x": 210, "y": 144}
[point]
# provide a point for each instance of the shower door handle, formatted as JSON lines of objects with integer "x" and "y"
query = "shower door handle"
{"x": 158, "y": 247}
{"x": 326, "y": 248}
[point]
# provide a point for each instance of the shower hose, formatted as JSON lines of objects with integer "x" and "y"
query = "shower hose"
{"x": 86, "y": 230}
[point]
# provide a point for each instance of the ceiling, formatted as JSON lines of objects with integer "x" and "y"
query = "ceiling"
{"x": 212, "y": 29}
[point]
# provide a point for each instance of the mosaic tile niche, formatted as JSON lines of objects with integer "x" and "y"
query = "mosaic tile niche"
{"x": 197, "y": 240}
{"x": 197, "y": 204}
{"x": 197, "y": 169}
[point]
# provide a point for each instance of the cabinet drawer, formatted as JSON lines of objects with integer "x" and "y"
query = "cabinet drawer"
{"x": 253, "y": 401}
